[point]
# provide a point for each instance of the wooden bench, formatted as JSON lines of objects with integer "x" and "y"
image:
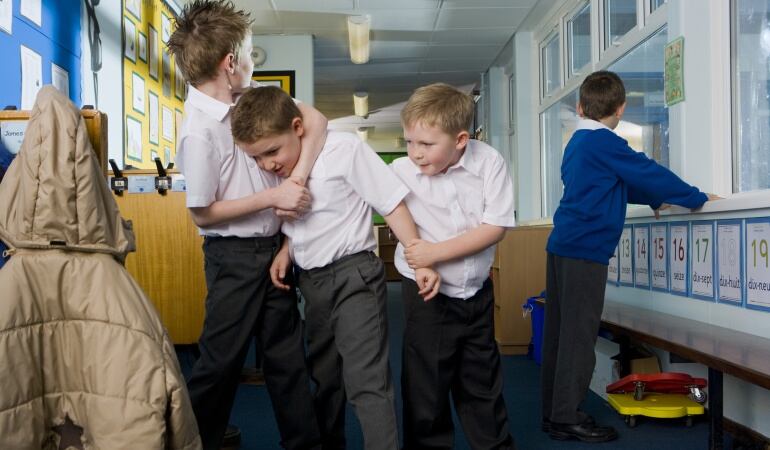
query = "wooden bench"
{"x": 722, "y": 350}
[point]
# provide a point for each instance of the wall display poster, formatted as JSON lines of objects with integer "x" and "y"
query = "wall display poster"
{"x": 142, "y": 48}
{"x": 129, "y": 39}
{"x": 31, "y": 76}
{"x": 32, "y": 10}
{"x": 757, "y": 263}
{"x": 6, "y": 16}
{"x": 152, "y": 53}
{"x": 168, "y": 124}
{"x": 729, "y": 248}
{"x": 133, "y": 139}
{"x": 658, "y": 254}
{"x": 702, "y": 260}
{"x": 642, "y": 256}
{"x": 625, "y": 258}
{"x": 60, "y": 79}
{"x": 612, "y": 268}
{"x": 679, "y": 233}
{"x": 138, "y": 93}
{"x": 12, "y": 134}
{"x": 154, "y": 116}
{"x": 150, "y": 95}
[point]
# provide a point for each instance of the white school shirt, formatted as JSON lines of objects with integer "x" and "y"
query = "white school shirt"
{"x": 215, "y": 169}
{"x": 346, "y": 182}
{"x": 475, "y": 190}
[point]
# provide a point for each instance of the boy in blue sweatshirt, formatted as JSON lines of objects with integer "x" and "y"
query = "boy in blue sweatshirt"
{"x": 601, "y": 175}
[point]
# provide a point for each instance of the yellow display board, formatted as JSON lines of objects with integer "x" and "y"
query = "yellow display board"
{"x": 153, "y": 87}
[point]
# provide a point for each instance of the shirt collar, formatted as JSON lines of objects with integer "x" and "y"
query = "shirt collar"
{"x": 468, "y": 161}
{"x": 208, "y": 105}
{"x": 590, "y": 124}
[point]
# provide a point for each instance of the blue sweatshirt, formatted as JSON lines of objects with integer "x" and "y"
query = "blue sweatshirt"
{"x": 601, "y": 175}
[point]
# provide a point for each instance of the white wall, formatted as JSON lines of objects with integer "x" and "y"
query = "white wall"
{"x": 290, "y": 52}
{"x": 110, "y": 77}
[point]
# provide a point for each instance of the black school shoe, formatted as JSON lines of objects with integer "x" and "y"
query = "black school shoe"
{"x": 545, "y": 425}
{"x": 586, "y": 432}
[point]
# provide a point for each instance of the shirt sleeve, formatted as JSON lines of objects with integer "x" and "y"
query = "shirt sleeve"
{"x": 498, "y": 195}
{"x": 373, "y": 180}
{"x": 648, "y": 182}
{"x": 200, "y": 164}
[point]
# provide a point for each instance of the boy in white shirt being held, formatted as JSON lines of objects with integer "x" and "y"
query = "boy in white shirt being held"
{"x": 332, "y": 245}
{"x": 462, "y": 202}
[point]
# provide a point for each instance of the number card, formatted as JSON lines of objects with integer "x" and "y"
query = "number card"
{"x": 612, "y": 268}
{"x": 626, "y": 275}
{"x": 678, "y": 257}
{"x": 642, "y": 256}
{"x": 729, "y": 248}
{"x": 757, "y": 263}
{"x": 658, "y": 250}
{"x": 702, "y": 260}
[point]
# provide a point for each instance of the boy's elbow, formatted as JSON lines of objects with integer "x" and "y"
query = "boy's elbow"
{"x": 199, "y": 217}
{"x": 499, "y": 234}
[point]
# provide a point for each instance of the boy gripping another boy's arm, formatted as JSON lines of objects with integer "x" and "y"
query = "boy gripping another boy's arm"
{"x": 202, "y": 161}
{"x": 274, "y": 145}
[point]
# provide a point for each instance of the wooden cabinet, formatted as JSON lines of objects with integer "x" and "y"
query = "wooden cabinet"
{"x": 518, "y": 272}
{"x": 168, "y": 262}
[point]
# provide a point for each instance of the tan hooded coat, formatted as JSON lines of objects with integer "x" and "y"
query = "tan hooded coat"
{"x": 78, "y": 337}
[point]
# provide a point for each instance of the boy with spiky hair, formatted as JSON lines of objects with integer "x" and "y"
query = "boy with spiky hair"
{"x": 232, "y": 203}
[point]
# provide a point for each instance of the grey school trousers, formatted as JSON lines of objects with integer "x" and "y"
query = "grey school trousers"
{"x": 573, "y": 311}
{"x": 347, "y": 337}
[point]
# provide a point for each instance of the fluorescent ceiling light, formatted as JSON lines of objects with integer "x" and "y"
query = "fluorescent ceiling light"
{"x": 358, "y": 35}
{"x": 361, "y": 103}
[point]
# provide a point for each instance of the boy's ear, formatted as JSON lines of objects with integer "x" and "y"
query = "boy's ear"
{"x": 298, "y": 126}
{"x": 228, "y": 63}
{"x": 579, "y": 109}
{"x": 621, "y": 110}
{"x": 462, "y": 139}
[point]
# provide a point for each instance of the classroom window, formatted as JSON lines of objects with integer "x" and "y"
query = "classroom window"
{"x": 579, "y": 39}
{"x": 619, "y": 19}
{"x": 751, "y": 95}
{"x": 645, "y": 121}
{"x": 557, "y": 123}
{"x": 655, "y": 4}
{"x": 549, "y": 65}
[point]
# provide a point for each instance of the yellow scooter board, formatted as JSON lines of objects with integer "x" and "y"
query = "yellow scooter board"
{"x": 661, "y": 406}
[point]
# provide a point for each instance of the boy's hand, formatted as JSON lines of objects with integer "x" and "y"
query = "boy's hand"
{"x": 286, "y": 216}
{"x": 291, "y": 196}
{"x": 711, "y": 198}
{"x": 661, "y": 208}
{"x": 278, "y": 269}
{"x": 420, "y": 253}
{"x": 428, "y": 281}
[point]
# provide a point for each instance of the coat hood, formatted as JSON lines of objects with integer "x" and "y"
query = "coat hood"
{"x": 54, "y": 194}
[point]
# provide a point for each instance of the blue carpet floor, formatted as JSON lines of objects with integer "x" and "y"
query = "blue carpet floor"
{"x": 252, "y": 411}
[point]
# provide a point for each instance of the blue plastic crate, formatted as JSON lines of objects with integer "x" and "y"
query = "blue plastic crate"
{"x": 535, "y": 308}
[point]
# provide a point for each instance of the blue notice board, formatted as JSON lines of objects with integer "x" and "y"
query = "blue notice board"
{"x": 57, "y": 41}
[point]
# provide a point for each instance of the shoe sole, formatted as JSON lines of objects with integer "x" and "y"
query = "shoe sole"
{"x": 561, "y": 436}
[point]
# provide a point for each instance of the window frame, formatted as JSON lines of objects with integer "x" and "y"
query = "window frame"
{"x": 648, "y": 23}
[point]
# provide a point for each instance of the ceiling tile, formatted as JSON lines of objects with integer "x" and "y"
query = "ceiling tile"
{"x": 395, "y": 19}
{"x": 398, "y": 4}
{"x": 313, "y": 20}
{"x": 397, "y": 50}
{"x": 475, "y": 4}
{"x": 492, "y": 36}
{"x": 455, "y": 65}
{"x": 481, "y": 18}
{"x": 314, "y": 5}
{"x": 463, "y": 51}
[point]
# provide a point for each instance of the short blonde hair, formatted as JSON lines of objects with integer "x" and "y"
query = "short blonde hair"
{"x": 206, "y": 31}
{"x": 439, "y": 105}
{"x": 262, "y": 112}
